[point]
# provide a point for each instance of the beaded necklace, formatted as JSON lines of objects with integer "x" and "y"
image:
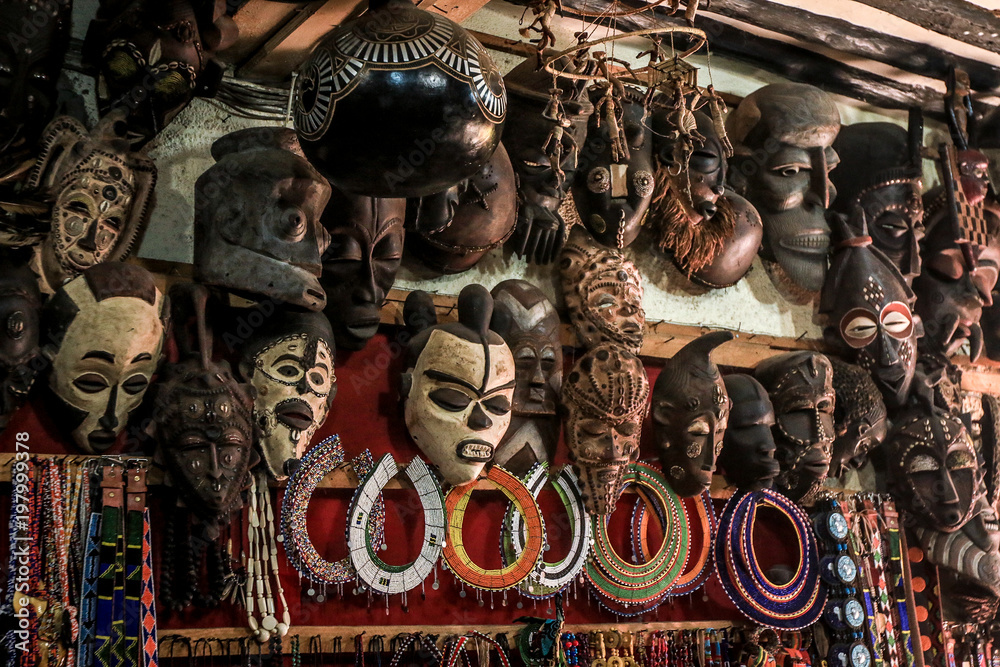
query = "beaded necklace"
{"x": 262, "y": 566}
{"x": 699, "y": 569}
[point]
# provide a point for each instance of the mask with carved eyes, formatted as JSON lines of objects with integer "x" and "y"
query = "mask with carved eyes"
{"x": 20, "y": 306}
{"x": 860, "y": 416}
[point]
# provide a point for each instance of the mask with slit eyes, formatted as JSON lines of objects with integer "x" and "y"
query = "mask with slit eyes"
{"x": 690, "y": 413}
{"x": 360, "y": 264}
{"x": 747, "y": 456}
{"x": 793, "y": 126}
{"x": 458, "y": 387}
{"x": 289, "y": 362}
{"x": 800, "y": 385}
{"x": 105, "y": 333}
{"x": 933, "y": 470}
{"x": 868, "y": 309}
{"x": 859, "y": 417}
{"x": 603, "y": 293}
{"x": 604, "y": 398}
{"x": 20, "y": 306}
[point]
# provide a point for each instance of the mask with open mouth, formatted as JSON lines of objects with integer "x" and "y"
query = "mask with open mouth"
{"x": 783, "y": 137}
{"x": 860, "y": 417}
{"x": 800, "y": 385}
{"x": 104, "y": 332}
{"x": 604, "y": 398}
{"x": 747, "y": 456}
{"x": 257, "y": 218}
{"x": 289, "y": 361}
{"x": 603, "y": 293}
{"x": 20, "y": 306}
{"x": 458, "y": 387}
{"x": 529, "y": 323}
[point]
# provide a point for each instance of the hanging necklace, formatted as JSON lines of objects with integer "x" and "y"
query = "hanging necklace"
{"x": 375, "y": 573}
{"x": 551, "y": 577}
{"x": 262, "y": 566}
{"x": 700, "y": 568}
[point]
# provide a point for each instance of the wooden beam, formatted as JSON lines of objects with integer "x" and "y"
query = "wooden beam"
{"x": 958, "y": 19}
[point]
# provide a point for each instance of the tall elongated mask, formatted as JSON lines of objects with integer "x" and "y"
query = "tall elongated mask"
{"x": 105, "y": 333}
{"x": 747, "y": 456}
{"x": 458, "y": 387}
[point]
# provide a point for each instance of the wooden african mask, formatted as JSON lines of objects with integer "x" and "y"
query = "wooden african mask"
{"x": 100, "y": 191}
{"x": 800, "y": 385}
{"x": 20, "y": 306}
{"x": 859, "y": 417}
{"x": 458, "y": 387}
{"x": 783, "y": 135}
{"x": 603, "y": 293}
{"x": 612, "y": 190}
{"x": 257, "y": 218}
{"x": 32, "y": 45}
{"x": 747, "y": 457}
{"x": 204, "y": 417}
{"x": 399, "y": 102}
{"x": 154, "y": 57}
{"x": 529, "y": 324}
{"x": 868, "y": 308}
{"x": 544, "y": 135}
{"x": 881, "y": 175}
{"x": 604, "y": 398}
{"x": 690, "y": 412}
{"x": 104, "y": 333}
{"x": 289, "y": 362}
{"x": 454, "y": 229}
{"x": 360, "y": 264}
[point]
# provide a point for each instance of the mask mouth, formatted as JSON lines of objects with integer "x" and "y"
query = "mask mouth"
{"x": 363, "y": 328}
{"x": 808, "y": 243}
{"x": 816, "y": 463}
{"x": 101, "y": 439}
{"x": 475, "y": 450}
{"x": 295, "y": 414}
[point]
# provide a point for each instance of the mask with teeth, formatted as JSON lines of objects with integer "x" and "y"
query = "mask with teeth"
{"x": 880, "y": 175}
{"x": 604, "y": 398}
{"x": 868, "y": 310}
{"x": 800, "y": 385}
{"x": 105, "y": 333}
{"x": 783, "y": 136}
{"x": 603, "y": 293}
{"x": 613, "y": 196}
{"x": 100, "y": 191}
{"x": 747, "y": 456}
{"x": 860, "y": 417}
{"x": 257, "y": 218}
{"x": 20, "y": 306}
{"x": 529, "y": 323}
{"x": 289, "y": 362}
{"x": 204, "y": 417}
{"x": 360, "y": 264}
{"x": 457, "y": 227}
{"x": 690, "y": 413}
{"x": 458, "y": 387}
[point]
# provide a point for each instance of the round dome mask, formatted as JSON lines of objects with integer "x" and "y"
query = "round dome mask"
{"x": 399, "y": 102}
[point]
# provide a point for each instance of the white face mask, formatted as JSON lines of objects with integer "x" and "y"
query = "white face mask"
{"x": 105, "y": 362}
{"x": 458, "y": 407}
{"x": 294, "y": 392}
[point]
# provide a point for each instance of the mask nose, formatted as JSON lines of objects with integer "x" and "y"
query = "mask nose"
{"x": 707, "y": 209}
{"x": 538, "y": 377}
{"x": 479, "y": 420}
{"x": 89, "y": 242}
{"x": 887, "y": 355}
{"x": 820, "y": 188}
{"x": 214, "y": 470}
{"x": 108, "y": 420}
{"x": 367, "y": 289}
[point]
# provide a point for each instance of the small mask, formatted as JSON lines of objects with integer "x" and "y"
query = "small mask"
{"x": 257, "y": 218}
{"x": 32, "y": 46}
{"x": 529, "y": 323}
{"x": 690, "y": 413}
{"x": 20, "y": 303}
{"x": 868, "y": 305}
{"x": 859, "y": 417}
{"x": 359, "y": 266}
{"x": 933, "y": 471}
{"x": 289, "y": 362}
{"x": 747, "y": 456}
{"x": 783, "y": 140}
{"x": 880, "y": 175}
{"x": 101, "y": 191}
{"x": 457, "y": 227}
{"x": 800, "y": 385}
{"x": 603, "y": 293}
{"x": 612, "y": 192}
{"x": 105, "y": 331}
{"x": 154, "y": 57}
{"x": 204, "y": 417}
{"x": 458, "y": 388}
{"x": 604, "y": 398}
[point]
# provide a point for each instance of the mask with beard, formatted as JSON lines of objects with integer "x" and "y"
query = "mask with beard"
{"x": 860, "y": 417}
{"x": 747, "y": 456}
{"x": 528, "y": 322}
{"x": 603, "y": 293}
{"x": 783, "y": 138}
{"x": 604, "y": 398}
{"x": 20, "y": 306}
